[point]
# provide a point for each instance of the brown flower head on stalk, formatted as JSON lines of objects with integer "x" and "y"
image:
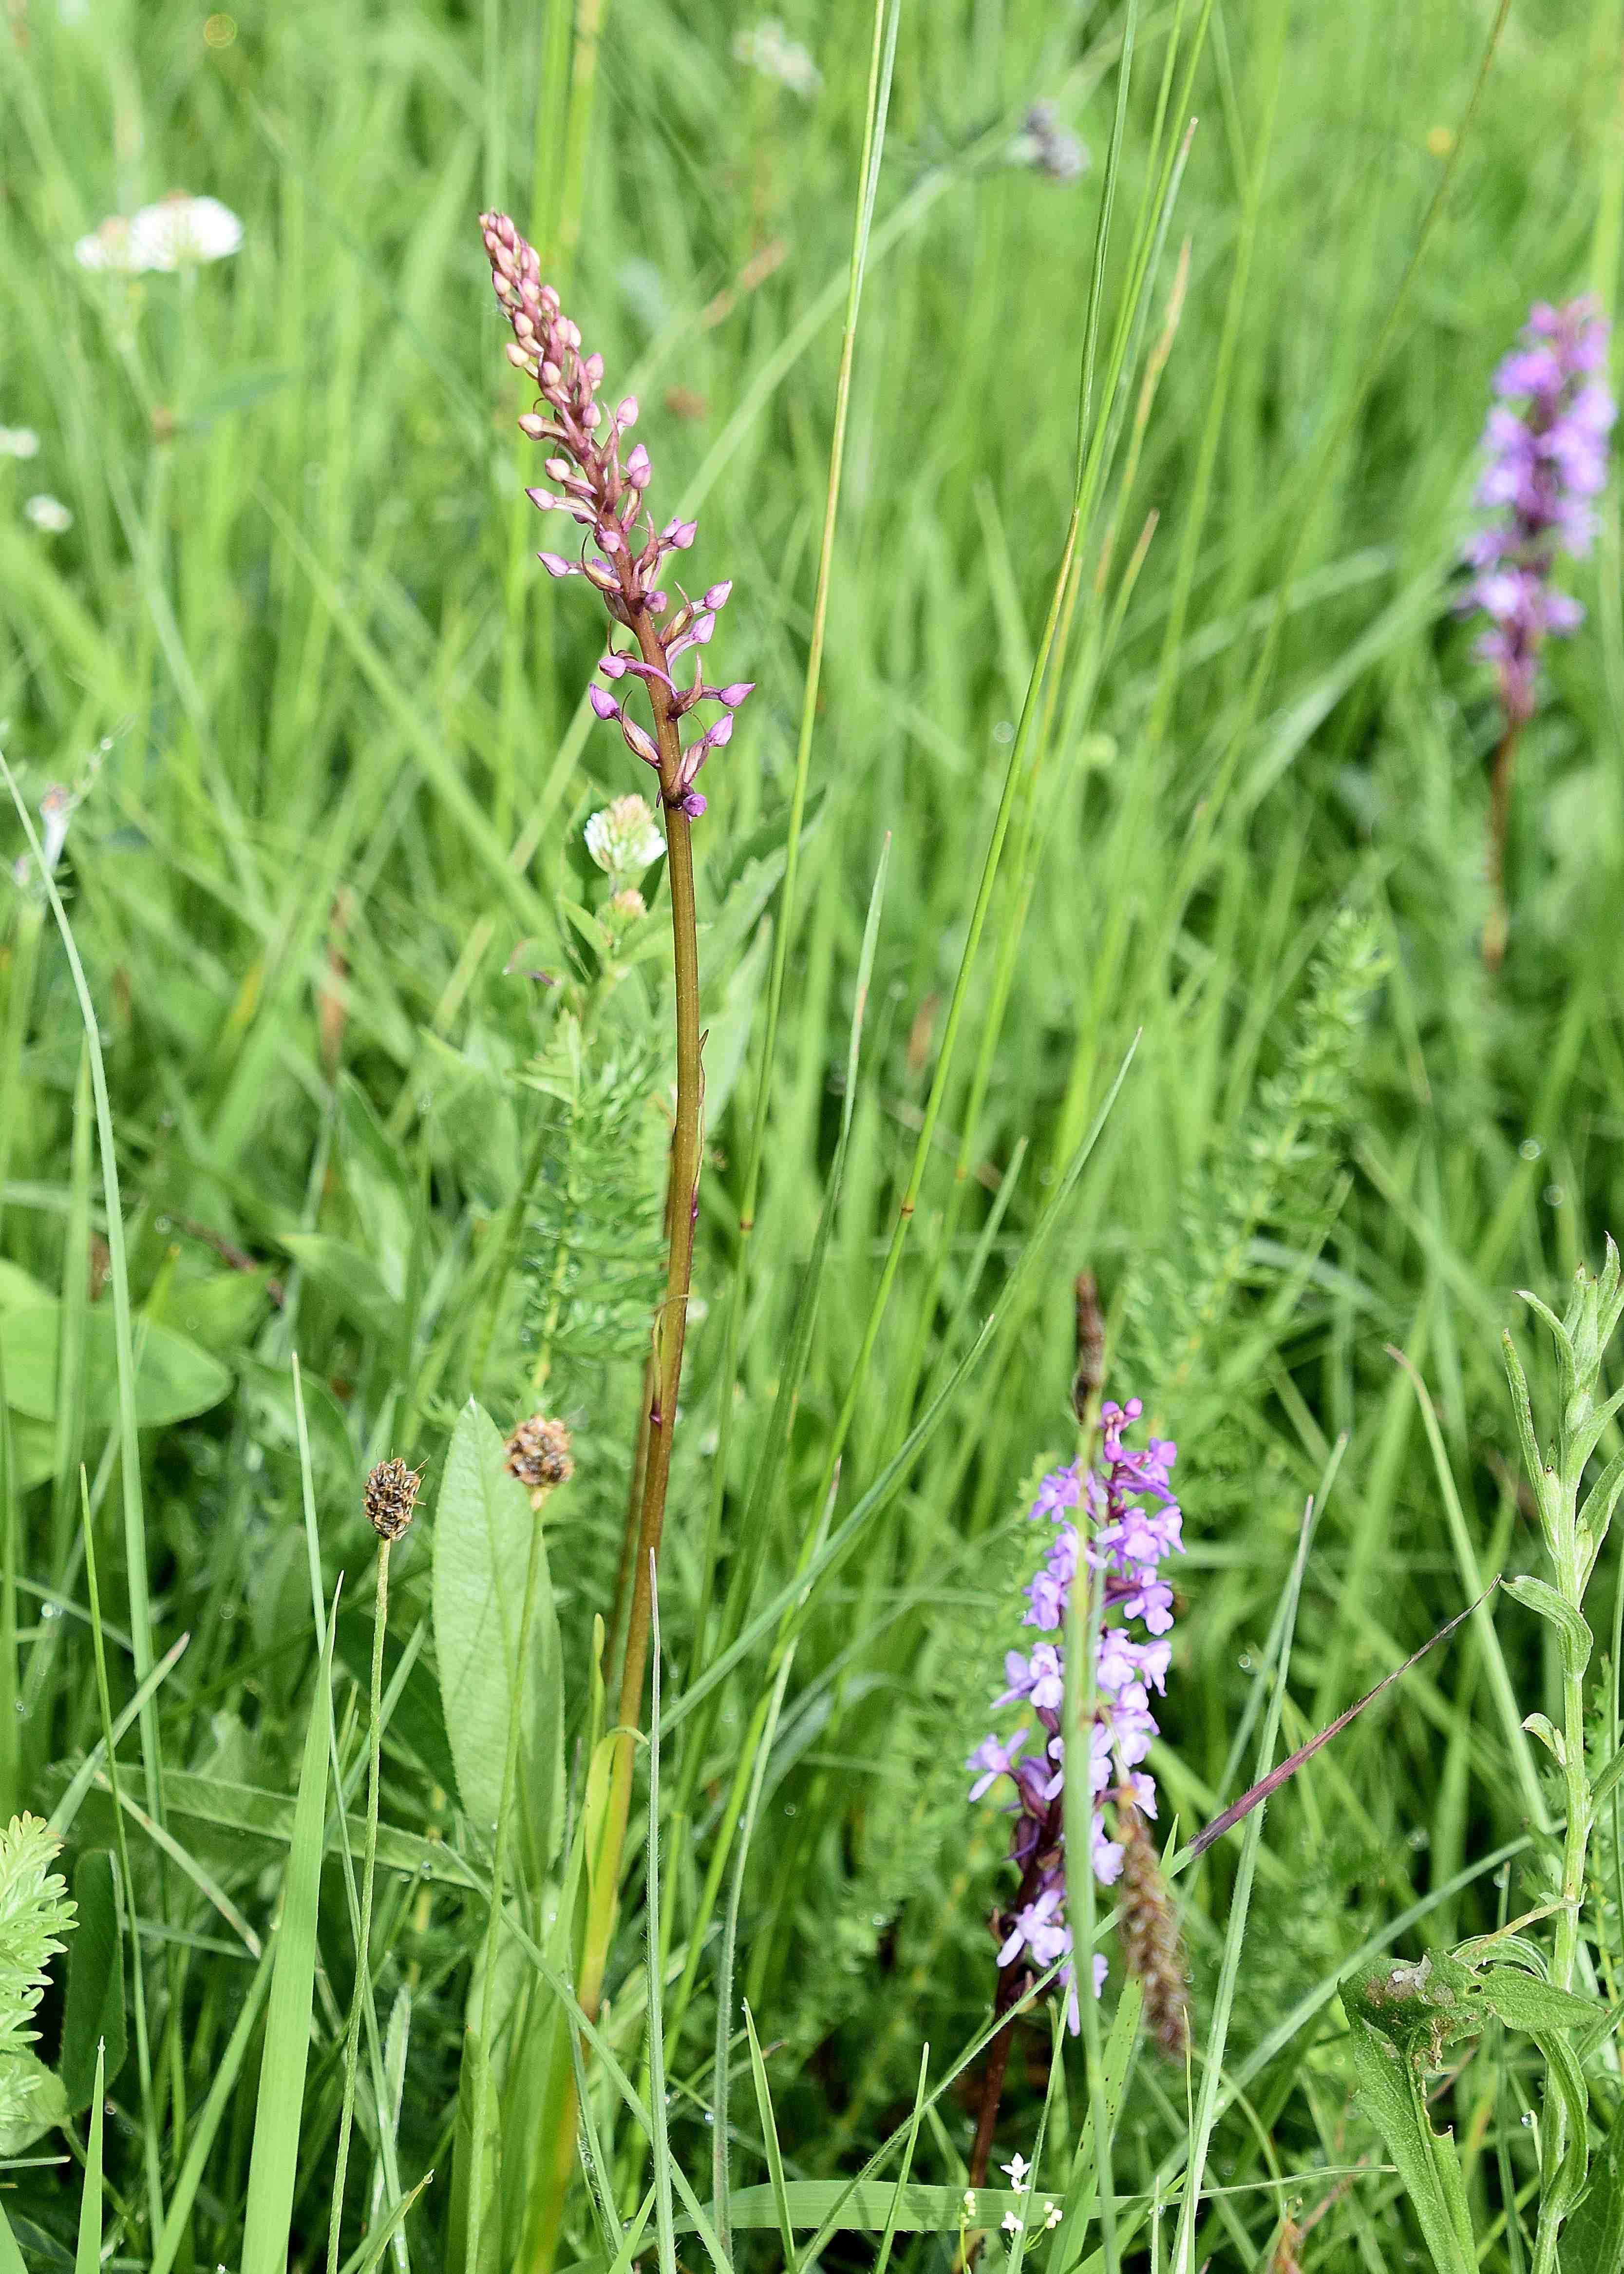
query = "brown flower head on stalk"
{"x": 539, "y": 1454}
{"x": 390, "y": 1498}
{"x": 622, "y": 553}
{"x": 1148, "y": 1931}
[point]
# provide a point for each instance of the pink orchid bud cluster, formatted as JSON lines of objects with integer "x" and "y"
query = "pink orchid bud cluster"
{"x": 621, "y": 552}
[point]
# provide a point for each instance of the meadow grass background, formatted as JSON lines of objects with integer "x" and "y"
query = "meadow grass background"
{"x": 343, "y": 788}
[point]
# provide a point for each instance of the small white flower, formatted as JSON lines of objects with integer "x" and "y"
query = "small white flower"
{"x": 1011, "y": 2222}
{"x": 18, "y": 442}
{"x": 1019, "y": 2171}
{"x": 111, "y": 248}
{"x": 623, "y": 839}
{"x": 183, "y": 232}
{"x": 969, "y": 2202}
{"x": 47, "y": 513}
{"x": 767, "y": 48}
{"x": 1051, "y": 2218}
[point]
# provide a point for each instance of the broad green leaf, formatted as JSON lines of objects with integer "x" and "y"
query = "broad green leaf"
{"x": 1525, "y": 2002}
{"x": 93, "y": 2011}
{"x": 274, "y": 2163}
{"x": 32, "y": 2101}
{"x": 1391, "y": 2097}
{"x": 175, "y": 1379}
{"x": 270, "y": 1816}
{"x": 18, "y": 1291}
{"x": 10, "y": 2257}
{"x": 350, "y": 1279}
{"x": 222, "y": 1309}
{"x": 378, "y": 1185}
{"x": 483, "y": 1528}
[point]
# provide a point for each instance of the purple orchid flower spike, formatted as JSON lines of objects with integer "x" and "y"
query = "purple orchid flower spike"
{"x": 1545, "y": 460}
{"x": 604, "y": 493}
{"x": 1131, "y": 1524}
{"x": 1545, "y": 446}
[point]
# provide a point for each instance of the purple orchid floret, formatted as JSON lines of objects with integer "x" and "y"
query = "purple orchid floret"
{"x": 1131, "y": 1524}
{"x": 604, "y": 494}
{"x": 1545, "y": 446}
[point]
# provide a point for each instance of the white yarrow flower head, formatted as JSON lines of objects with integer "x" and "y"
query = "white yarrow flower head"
{"x": 767, "y": 48}
{"x": 624, "y": 839}
{"x": 47, "y": 513}
{"x": 18, "y": 442}
{"x": 183, "y": 232}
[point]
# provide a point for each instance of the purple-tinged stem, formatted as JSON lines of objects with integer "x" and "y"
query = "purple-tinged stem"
{"x": 1496, "y": 923}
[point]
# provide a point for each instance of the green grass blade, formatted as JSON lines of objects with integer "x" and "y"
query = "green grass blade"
{"x": 1212, "y": 2052}
{"x": 274, "y": 2162}
{"x": 770, "y": 2133}
{"x": 87, "y": 2253}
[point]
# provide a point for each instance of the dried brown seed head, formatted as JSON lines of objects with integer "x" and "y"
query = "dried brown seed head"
{"x": 539, "y": 1454}
{"x": 1147, "y": 1928}
{"x": 390, "y": 1498}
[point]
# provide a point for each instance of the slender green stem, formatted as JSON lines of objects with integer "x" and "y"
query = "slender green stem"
{"x": 363, "y": 1965}
{"x": 682, "y": 1204}
{"x": 1496, "y": 923}
{"x": 1575, "y": 1844}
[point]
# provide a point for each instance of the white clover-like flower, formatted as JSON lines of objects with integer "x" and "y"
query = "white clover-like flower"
{"x": 111, "y": 249}
{"x": 47, "y": 513}
{"x": 624, "y": 839}
{"x": 18, "y": 442}
{"x": 767, "y": 48}
{"x": 183, "y": 232}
